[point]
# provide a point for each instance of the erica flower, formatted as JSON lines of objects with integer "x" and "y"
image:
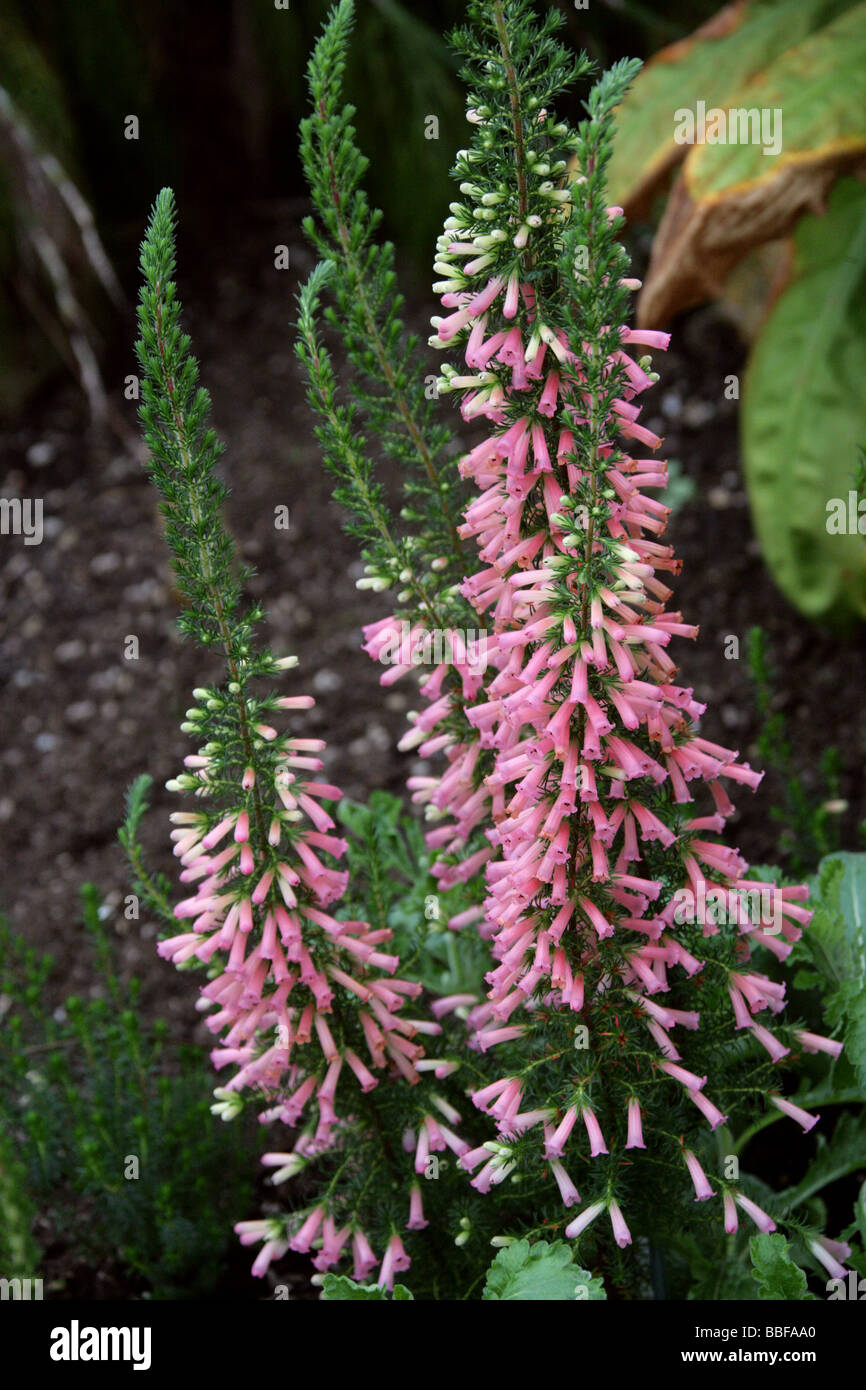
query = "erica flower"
{"x": 830, "y": 1253}
{"x": 795, "y": 1112}
{"x": 602, "y": 804}
{"x": 703, "y": 1190}
{"x": 763, "y": 1222}
{"x": 307, "y": 1008}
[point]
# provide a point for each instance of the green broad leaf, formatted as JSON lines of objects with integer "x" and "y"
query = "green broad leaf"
{"x": 340, "y": 1288}
{"x": 836, "y": 1158}
{"x": 851, "y": 900}
{"x": 804, "y": 415}
{"x": 819, "y": 87}
{"x": 681, "y": 489}
{"x": 766, "y": 873}
{"x": 540, "y": 1272}
{"x": 836, "y": 945}
{"x": 709, "y": 66}
{"x": 860, "y": 1213}
{"x": 774, "y": 1271}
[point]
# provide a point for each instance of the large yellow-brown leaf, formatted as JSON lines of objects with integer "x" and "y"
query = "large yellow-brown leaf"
{"x": 731, "y": 197}
{"x": 735, "y": 45}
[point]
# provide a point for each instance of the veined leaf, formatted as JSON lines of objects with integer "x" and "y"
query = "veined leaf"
{"x": 339, "y": 1288}
{"x": 738, "y": 43}
{"x": 787, "y": 135}
{"x": 774, "y": 1271}
{"x": 804, "y": 415}
{"x": 819, "y": 86}
{"x": 836, "y": 945}
{"x": 540, "y": 1272}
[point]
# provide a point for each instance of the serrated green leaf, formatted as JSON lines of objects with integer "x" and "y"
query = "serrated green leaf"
{"x": 766, "y": 873}
{"x": 540, "y": 1272}
{"x": 339, "y": 1288}
{"x": 836, "y": 944}
{"x": 774, "y": 1271}
{"x": 803, "y": 389}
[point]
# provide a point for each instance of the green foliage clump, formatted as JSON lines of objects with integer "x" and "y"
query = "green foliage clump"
{"x": 105, "y": 1130}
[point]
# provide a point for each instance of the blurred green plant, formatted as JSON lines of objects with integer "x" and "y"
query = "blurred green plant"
{"x": 810, "y": 820}
{"x": 105, "y": 1129}
{"x": 390, "y": 883}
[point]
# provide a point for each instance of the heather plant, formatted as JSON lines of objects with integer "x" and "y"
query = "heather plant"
{"x": 566, "y": 982}
{"x": 105, "y": 1132}
{"x": 306, "y": 1005}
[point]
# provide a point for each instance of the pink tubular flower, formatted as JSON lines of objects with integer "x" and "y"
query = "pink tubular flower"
{"x": 813, "y": 1042}
{"x": 794, "y": 1112}
{"x": 567, "y": 1190}
{"x": 621, "y": 1232}
{"x": 763, "y": 1222}
{"x": 593, "y": 1129}
{"x": 395, "y": 1262}
{"x": 634, "y": 1139}
{"x": 365, "y": 1260}
{"x": 830, "y": 1253}
{"x": 731, "y": 1219}
{"x": 703, "y": 1190}
{"x": 416, "y": 1220}
{"x": 280, "y": 962}
{"x": 583, "y": 1219}
{"x": 573, "y": 757}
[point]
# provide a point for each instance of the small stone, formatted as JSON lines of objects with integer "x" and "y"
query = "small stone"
{"x": 23, "y": 679}
{"x": 719, "y": 498}
{"x": 45, "y": 743}
{"x": 325, "y": 681}
{"x": 41, "y": 454}
{"x": 149, "y": 593}
{"x": 68, "y": 652}
{"x": 106, "y": 563}
{"x": 67, "y": 538}
{"x": 698, "y": 413}
{"x": 81, "y": 712}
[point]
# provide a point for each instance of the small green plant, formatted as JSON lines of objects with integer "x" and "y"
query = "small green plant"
{"x": 121, "y": 1155}
{"x": 809, "y": 821}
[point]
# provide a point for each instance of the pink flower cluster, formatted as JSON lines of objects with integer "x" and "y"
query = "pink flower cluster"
{"x": 260, "y": 909}
{"x": 579, "y": 736}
